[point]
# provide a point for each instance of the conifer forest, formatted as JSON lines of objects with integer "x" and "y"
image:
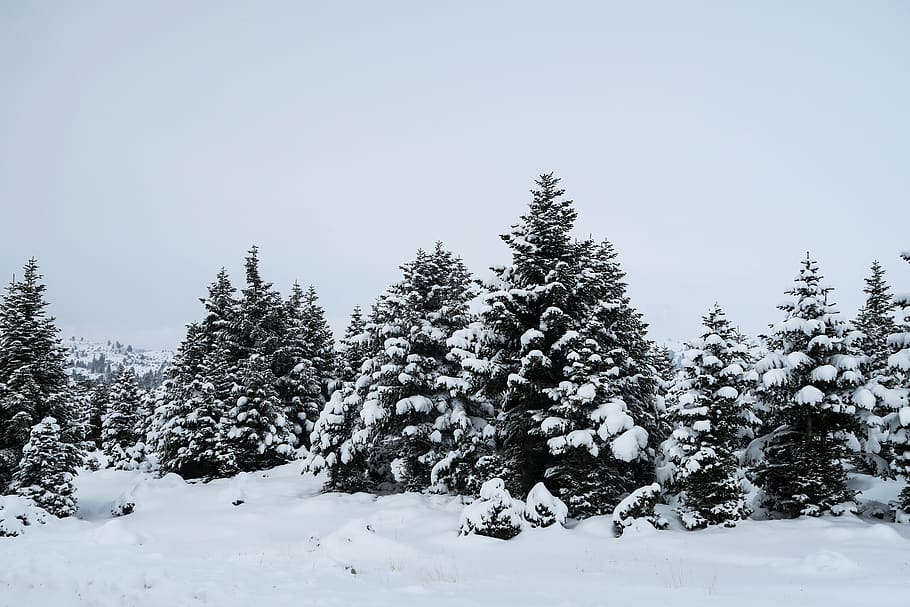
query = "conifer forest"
{"x": 396, "y": 304}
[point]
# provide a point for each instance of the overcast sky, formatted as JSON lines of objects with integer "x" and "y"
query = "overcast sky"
{"x": 145, "y": 145}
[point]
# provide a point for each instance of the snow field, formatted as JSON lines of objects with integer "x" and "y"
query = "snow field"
{"x": 287, "y": 544}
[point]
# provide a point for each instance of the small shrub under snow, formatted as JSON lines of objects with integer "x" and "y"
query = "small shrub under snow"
{"x": 495, "y": 514}
{"x": 638, "y": 509}
{"x": 17, "y": 513}
{"x": 543, "y": 508}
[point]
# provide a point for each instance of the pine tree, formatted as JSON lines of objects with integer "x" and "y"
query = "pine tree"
{"x": 118, "y": 427}
{"x": 300, "y": 384}
{"x": 876, "y": 321}
{"x": 710, "y": 410}
{"x": 897, "y": 386}
{"x": 331, "y": 448}
{"x": 812, "y": 384}
{"x": 99, "y": 400}
{"x": 261, "y": 315}
{"x": 32, "y": 368}
{"x": 45, "y": 474}
{"x": 354, "y": 350}
{"x": 561, "y": 354}
{"x": 876, "y": 318}
{"x": 170, "y": 434}
{"x": 602, "y": 426}
{"x": 411, "y": 417}
{"x": 318, "y": 337}
{"x": 259, "y": 434}
{"x": 408, "y": 420}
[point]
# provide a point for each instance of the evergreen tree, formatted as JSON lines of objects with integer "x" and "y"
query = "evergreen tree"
{"x": 45, "y": 474}
{"x": 168, "y": 434}
{"x": 300, "y": 384}
{"x": 331, "y": 448}
{"x": 318, "y": 337}
{"x": 711, "y": 413}
{"x": 876, "y": 321}
{"x": 259, "y": 435}
{"x": 876, "y": 318}
{"x": 408, "y": 416}
{"x": 261, "y": 315}
{"x": 118, "y": 427}
{"x": 32, "y": 368}
{"x": 99, "y": 401}
{"x": 896, "y": 387}
{"x": 561, "y": 353}
{"x": 354, "y": 350}
{"x": 812, "y": 384}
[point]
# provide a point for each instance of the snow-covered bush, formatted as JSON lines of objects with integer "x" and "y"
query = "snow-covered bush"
{"x": 495, "y": 514}
{"x": 638, "y": 508}
{"x": 544, "y": 509}
{"x": 45, "y": 474}
{"x": 17, "y": 513}
{"x": 123, "y": 505}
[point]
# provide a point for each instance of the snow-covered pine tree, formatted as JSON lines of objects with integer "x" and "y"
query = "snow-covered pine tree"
{"x": 876, "y": 318}
{"x": 300, "y": 387}
{"x": 604, "y": 417}
{"x": 99, "y": 400}
{"x": 319, "y": 339}
{"x": 32, "y": 368}
{"x": 45, "y": 474}
{"x": 559, "y": 351}
{"x": 259, "y": 325}
{"x": 410, "y": 416}
{"x": 876, "y": 321}
{"x": 811, "y": 384}
{"x": 354, "y": 350}
{"x": 409, "y": 420}
{"x": 710, "y": 410}
{"x": 331, "y": 448}
{"x": 118, "y": 427}
{"x": 259, "y": 434}
{"x": 897, "y": 385}
{"x": 169, "y": 433}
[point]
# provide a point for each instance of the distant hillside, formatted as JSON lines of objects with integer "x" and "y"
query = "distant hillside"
{"x": 100, "y": 360}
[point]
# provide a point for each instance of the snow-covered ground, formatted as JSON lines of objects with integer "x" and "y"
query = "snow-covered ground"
{"x": 287, "y": 544}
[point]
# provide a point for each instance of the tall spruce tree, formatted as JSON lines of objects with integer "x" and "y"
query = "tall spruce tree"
{"x": 561, "y": 353}
{"x": 118, "y": 427}
{"x": 408, "y": 418}
{"x": 710, "y": 410}
{"x": 300, "y": 364}
{"x": 33, "y": 381}
{"x": 896, "y": 389}
{"x": 318, "y": 338}
{"x": 876, "y": 318}
{"x": 812, "y": 384}
{"x": 354, "y": 350}
{"x": 876, "y": 321}
{"x": 260, "y": 434}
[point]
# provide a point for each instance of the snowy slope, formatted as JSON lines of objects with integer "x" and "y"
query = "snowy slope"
{"x": 288, "y": 545}
{"x": 98, "y": 359}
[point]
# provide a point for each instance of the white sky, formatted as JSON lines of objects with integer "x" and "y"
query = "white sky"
{"x": 144, "y": 145}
